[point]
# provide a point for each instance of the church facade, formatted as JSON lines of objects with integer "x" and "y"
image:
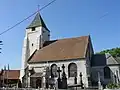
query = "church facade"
{"x": 42, "y": 56}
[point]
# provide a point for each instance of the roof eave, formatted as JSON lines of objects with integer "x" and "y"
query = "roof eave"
{"x": 43, "y": 61}
{"x": 86, "y": 47}
{"x": 37, "y": 26}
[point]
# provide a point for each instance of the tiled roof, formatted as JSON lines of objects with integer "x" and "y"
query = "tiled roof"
{"x": 62, "y": 49}
{"x": 11, "y": 74}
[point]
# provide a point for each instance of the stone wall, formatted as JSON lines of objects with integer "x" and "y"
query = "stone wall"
{"x": 81, "y": 67}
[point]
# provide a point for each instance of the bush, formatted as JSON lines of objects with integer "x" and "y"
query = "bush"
{"x": 113, "y": 86}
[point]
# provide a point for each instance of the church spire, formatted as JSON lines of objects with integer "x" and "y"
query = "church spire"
{"x": 37, "y": 21}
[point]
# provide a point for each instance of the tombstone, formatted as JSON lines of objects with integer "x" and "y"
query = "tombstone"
{"x": 81, "y": 82}
{"x": 75, "y": 78}
{"x": 56, "y": 85}
{"x": 64, "y": 79}
{"x": 115, "y": 79}
{"x": 51, "y": 83}
{"x": 47, "y": 84}
{"x": 47, "y": 78}
{"x": 46, "y": 81}
{"x": 59, "y": 79}
{"x": 99, "y": 82}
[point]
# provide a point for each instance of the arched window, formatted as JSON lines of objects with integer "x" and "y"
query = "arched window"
{"x": 53, "y": 70}
{"x": 72, "y": 70}
{"x": 107, "y": 74}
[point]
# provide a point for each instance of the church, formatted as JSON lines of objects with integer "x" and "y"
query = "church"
{"x": 41, "y": 58}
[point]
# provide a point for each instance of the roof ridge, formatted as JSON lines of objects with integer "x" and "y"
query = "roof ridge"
{"x": 62, "y": 39}
{"x": 71, "y": 37}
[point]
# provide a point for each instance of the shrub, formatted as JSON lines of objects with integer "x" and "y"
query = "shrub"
{"x": 113, "y": 86}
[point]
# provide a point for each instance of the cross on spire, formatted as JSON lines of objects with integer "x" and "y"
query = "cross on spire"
{"x": 38, "y": 7}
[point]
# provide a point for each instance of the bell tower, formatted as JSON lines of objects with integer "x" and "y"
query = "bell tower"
{"x": 36, "y": 34}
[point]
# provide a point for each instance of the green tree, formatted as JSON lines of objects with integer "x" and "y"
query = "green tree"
{"x": 115, "y": 52}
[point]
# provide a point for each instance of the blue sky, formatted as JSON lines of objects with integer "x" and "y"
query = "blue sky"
{"x": 64, "y": 18}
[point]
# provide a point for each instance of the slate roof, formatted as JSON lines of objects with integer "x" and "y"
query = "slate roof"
{"x": 104, "y": 59}
{"x": 37, "y": 21}
{"x": 118, "y": 59}
{"x": 98, "y": 60}
{"x": 62, "y": 49}
{"x": 11, "y": 74}
{"x": 110, "y": 59}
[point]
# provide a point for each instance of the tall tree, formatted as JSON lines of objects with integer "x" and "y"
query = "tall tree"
{"x": 115, "y": 52}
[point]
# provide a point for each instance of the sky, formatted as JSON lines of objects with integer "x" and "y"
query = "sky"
{"x": 65, "y": 19}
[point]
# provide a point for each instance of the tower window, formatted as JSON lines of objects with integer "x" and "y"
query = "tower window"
{"x": 32, "y": 44}
{"x": 43, "y": 31}
{"x": 33, "y": 28}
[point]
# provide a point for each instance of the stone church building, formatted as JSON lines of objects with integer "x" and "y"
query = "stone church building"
{"x": 42, "y": 56}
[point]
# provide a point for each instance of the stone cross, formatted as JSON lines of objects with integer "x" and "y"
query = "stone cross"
{"x": 81, "y": 82}
{"x": 64, "y": 79}
{"x": 47, "y": 78}
{"x": 99, "y": 82}
{"x": 63, "y": 67}
{"x": 58, "y": 72}
{"x": 59, "y": 79}
{"x": 75, "y": 79}
{"x": 38, "y": 8}
{"x": 63, "y": 74}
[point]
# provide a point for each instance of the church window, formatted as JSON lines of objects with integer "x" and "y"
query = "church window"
{"x": 33, "y": 28}
{"x": 72, "y": 70}
{"x": 53, "y": 70}
{"x": 107, "y": 74}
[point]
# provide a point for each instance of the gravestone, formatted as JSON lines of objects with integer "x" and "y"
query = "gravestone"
{"x": 47, "y": 81}
{"x": 81, "y": 82}
{"x": 75, "y": 78}
{"x": 51, "y": 83}
{"x": 64, "y": 79}
{"x": 99, "y": 82}
{"x": 59, "y": 79}
{"x": 47, "y": 78}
